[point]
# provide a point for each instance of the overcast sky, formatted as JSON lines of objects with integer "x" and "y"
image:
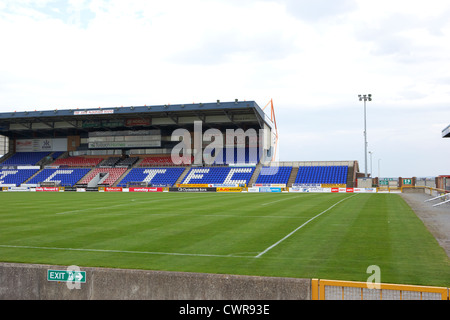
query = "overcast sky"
{"x": 312, "y": 58}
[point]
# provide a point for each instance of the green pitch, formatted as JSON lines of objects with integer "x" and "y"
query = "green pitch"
{"x": 325, "y": 236}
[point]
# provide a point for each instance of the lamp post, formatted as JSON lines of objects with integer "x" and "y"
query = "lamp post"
{"x": 365, "y": 98}
{"x": 379, "y": 160}
{"x": 371, "y": 172}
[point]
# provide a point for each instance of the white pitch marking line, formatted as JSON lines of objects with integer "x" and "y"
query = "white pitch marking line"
{"x": 265, "y": 204}
{"x": 290, "y": 234}
{"x": 131, "y": 252}
{"x": 81, "y": 210}
{"x": 120, "y": 205}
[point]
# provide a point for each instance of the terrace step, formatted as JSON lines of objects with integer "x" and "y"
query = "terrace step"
{"x": 255, "y": 174}
{"x": 183, "y": 175}
{"x": 293, "y": 176}
{"x": 34, "y": 175}
{"x": 350, "y": 175}
{"x": 121, "y": 177}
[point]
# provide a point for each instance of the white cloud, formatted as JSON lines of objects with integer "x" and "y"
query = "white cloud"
{"x": 317, "y": 10}
{"x": 312, "y": 57}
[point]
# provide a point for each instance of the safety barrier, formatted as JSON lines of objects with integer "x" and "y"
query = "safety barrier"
{"x": 352, "y": 290}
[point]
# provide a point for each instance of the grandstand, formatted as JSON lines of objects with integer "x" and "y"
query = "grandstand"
{"x": 113, "y": 171}
{"x": 133, "y": 145}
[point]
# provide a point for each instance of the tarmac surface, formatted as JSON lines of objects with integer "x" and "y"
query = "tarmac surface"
{"x": 436, "y": 219}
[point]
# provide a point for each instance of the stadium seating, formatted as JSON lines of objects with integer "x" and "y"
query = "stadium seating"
{"x": 219, "y": 175}
{"x": 109, "y": 162}
{"x": 127, "y": 162}
{"x": 25, "y": 158}
{"x": 165, "y": 160}
{"x": 322, "y": 175}
{"x": 65, "y": 177}
{"x": 15, "y": 176}
{"x": 114, "y": 174}
{"x": 57, "y": 154}
{"x": 78, "y": 162}
{"x": 158, "y": 177}
{"x": 237, "y": 156}
{"x": 276, "y": 175}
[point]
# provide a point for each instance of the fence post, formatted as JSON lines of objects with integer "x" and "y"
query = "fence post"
{"x": 314, "y": 289}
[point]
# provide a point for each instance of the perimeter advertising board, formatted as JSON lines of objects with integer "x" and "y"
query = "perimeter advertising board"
{"x": 333, "y": 190}
{"x": 111, "y": 189}
{"x": 314, "y": 189}
{"x": 49, "y": 189}
{"x": 181, "y": 189}
{"x": 145, "y": 189}
{"x": 269, "y": 189}
{"x": 264, "y": 189}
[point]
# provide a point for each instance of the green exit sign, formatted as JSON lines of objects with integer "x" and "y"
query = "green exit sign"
{"x": 66, "y": 276}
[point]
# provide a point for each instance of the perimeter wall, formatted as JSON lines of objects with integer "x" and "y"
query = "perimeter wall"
{"x": 29, "y": 282}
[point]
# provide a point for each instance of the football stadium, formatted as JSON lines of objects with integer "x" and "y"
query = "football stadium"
{"x": 189, "y": 201}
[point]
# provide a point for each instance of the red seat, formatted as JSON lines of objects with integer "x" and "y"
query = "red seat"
{"x": 78, "y": 162}
{"x": 114, "y": 174}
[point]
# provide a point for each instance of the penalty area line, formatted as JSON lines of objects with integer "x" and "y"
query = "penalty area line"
{"x": 290, "y": 234}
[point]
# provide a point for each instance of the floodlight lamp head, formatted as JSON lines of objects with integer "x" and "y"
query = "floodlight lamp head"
{"x": 370, "y": 97}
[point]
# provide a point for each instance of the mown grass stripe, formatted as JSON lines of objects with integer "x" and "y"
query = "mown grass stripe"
{"x": 301, "y": 226}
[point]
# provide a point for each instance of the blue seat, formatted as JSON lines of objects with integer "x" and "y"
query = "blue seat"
{"x": 322, "y": 175}
{"x": 219, "y": 175}
{"x": 16, "y": 176}
{"x": 66, "y": 177}
{"x": 157, "y": 177}
{"x": 236, "y": 156}
{"x": 274, "y": 175}
{"x": 25, "y": 158}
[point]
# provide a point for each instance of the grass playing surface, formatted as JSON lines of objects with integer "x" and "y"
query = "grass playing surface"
{"x": 325, "y": 236}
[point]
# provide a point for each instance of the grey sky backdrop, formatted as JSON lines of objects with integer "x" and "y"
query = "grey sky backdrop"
{"x": 312, "y": 58}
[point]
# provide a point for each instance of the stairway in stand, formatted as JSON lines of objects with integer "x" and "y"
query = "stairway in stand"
{"x": 293, "y": 176}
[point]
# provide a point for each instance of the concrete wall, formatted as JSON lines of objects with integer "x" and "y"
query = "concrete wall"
{"x": 29, "y": 282}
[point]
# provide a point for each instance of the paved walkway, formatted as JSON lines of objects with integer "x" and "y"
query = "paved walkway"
{"x": 436, "y": 219}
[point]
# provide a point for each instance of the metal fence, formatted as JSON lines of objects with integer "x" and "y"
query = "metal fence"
{"x": 350, "y": 290}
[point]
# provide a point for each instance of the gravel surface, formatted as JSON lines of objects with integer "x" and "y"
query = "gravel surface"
{"x": 436, "y": 219}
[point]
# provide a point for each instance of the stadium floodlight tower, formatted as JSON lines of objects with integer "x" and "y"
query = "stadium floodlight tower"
{"x": 365, "y": 98}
